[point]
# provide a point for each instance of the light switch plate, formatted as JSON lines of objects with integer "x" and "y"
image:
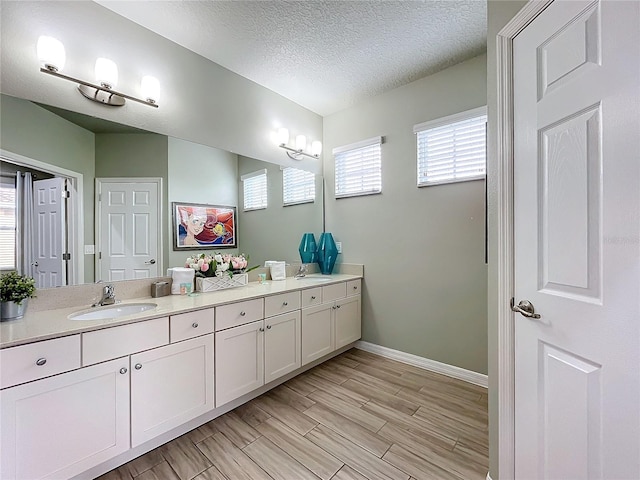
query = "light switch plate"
{"x": 339, "y": 246}
{"x": 89, "y": 249}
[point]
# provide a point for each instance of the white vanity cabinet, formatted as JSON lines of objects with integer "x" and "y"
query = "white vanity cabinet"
{"x": 253, "y": 354}
{"x": 170, "y": 385}
{"x": 334, "y": 323}
{"x": 60, "y": 426}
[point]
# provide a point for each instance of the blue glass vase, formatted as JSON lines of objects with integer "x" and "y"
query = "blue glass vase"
{"x": 327, "y": 253}
{"x": 308, "y": 248}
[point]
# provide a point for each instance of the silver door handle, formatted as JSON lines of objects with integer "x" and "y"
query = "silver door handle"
{"x": 150, "y": 262}
{"x": 524, "y": 308}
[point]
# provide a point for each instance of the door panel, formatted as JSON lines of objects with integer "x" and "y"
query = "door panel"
{"x": 577, "y": 225}
{"x": 50, "y": 231}
{"x": 317, "y": 332}
{"x": 281, "y": 345}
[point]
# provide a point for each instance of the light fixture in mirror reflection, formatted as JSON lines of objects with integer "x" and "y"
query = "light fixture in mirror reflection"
{"x": 51, "y": 55}
{"x": 109, "y": 150}
{"x": 297, "y": 152}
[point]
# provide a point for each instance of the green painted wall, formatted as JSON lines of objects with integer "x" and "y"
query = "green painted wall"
{"x": 32, "y": 131}
{"x": 425, "y": 289}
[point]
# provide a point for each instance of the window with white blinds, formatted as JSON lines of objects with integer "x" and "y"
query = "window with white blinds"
{"x": 298, "y": 186}
{"x": 359, "y": 168}
{"x": 452, "y": 149}
{"x": 7, "y": 226}
{"x": 254, "y": 186}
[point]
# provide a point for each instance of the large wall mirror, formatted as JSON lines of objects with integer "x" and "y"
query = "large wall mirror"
{"x": 117, "y": 222}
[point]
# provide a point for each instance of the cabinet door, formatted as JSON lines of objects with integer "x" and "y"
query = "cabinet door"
{"x": 239, "y": 361}
{"x": 348, "y": 321}
{"x": 170, "y": 385}
{"x": 61, "y": 426}
{"x": 317, "y": 332}
{"x": 281, "y": 345}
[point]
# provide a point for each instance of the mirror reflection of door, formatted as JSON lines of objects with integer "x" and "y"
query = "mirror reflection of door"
{"x": 129, "y": 240}
{"x": 50, "y": 229}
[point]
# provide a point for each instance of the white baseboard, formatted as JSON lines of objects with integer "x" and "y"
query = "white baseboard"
{"x": 421, "y": 362}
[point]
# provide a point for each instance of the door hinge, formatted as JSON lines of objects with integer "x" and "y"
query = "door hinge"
{"x": 99, "y": 255}
{"x": 66, "y": 256}
{"x": 65, "y": 194}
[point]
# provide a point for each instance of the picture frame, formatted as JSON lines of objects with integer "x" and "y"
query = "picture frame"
{"x": 198, "y": 226}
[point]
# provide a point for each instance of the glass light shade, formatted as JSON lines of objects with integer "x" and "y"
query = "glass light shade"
{"x": 316, "y": 147}
{"x": 150, "y": 87}
{"x": 50, "y": 53}
{"x": 106, "y": 72}
{"x": 283, "y": 136}
{"x": 301, "y": 142}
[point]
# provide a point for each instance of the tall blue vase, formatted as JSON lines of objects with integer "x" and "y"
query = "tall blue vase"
{"x": 308, "y": 248}
{"x": 327, "y": 253}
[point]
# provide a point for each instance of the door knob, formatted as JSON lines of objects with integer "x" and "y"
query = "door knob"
{"x": 150, "y": 262}
{"x": 34, "y": 264}
{"x": 524, "y": 308}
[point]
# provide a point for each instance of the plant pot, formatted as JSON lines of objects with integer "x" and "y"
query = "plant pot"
{"x": 13, "y": 310}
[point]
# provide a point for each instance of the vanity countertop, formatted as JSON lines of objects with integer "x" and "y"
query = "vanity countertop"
{"x": 47, "y": 324}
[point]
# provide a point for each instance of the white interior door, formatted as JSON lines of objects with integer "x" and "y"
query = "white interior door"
{"x": 129, "y": 239}
{"x": 577, "y": 237}
{"x": 49, "y": 203}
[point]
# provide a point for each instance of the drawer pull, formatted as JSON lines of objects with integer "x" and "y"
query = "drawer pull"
{"x": 261, "y": 329}
{"x": 313, "y": 297}
{"x": 242, "y": 314}
{"x": 268, "y": 327}
{"x": 137, "y": 366}
{"x": 41, "y": 361}
{"x": 123, "y": 371}
{"x": 194, "y": 324}
{"x": 285, "y": 304}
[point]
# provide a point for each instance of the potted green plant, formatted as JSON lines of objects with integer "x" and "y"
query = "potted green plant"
{"x": 15, "y": 292}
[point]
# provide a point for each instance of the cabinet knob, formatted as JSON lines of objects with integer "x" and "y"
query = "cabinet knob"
{"x": 268, "y": 327}
{"x": 355, "y": 287}
{"x": 242, "y": 314}
{"x": 194, "y": 324}
{"x": 285, "y": 303}
{"x": 137, "y": 366}
{"x": 261, "y": 329}
{"x": 334, "y": 307}
{"x": 337, "y": 306}
{"x": 41, "y": 361}
{"x": 313, "y": 297}
{"x": 123, "y": 370}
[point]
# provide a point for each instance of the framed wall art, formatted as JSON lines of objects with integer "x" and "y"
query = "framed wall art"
{"x": 197, "y": 226}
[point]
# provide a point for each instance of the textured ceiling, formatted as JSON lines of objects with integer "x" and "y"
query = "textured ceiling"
{"x": 323, "y": 55}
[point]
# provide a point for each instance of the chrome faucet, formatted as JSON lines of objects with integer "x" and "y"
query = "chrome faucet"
{"x": 302, "y": 271}
{"x": 108, "y": 296}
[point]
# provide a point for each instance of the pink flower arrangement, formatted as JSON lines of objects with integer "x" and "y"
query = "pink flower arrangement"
{"x": 217, "y": 264}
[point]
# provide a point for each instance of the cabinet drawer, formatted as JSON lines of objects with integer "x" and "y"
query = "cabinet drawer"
{"x": 354, "y": 287}
{"x": 334, "y": 292}
{"x": 124, "y": 340}
{"x": 37, "y": 360}
{"x": 283, "y": 303}
{"x": 311, "y": 297}
{"x": 239, "y": 313}
{"x": 189, "y": 325}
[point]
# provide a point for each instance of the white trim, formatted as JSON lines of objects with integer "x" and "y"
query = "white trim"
{"x": 98, "y": 226}
{"x": 75, "y": 227}
{"x": 505, "y": 227}
{"x": 257, "y": 173}
{"x": 425, "y": 363}
{"x": 361, "y": 144}
{"x": 456, "y": 117}
{"x": 488, "y": 476}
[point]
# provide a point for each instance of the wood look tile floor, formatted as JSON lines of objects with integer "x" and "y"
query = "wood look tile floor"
{"x": 358, "y": 416}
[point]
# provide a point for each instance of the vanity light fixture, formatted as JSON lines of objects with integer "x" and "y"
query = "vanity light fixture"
{"x": 300, "y": 146}
{"x": 52, "y": 57}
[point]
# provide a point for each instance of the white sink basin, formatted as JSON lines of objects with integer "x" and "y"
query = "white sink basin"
{"x": 113, "y": 311}
{"x": 314, "y": 279}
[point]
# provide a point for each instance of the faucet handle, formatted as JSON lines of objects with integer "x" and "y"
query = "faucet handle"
{"x": 109, "y": 290}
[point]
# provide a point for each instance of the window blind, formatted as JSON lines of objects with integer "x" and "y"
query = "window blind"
{"x": 359, "y": 168}
{"x": 452, "y": 149}
{"x": 254, "y": 186}
{"x": 7, "y": 226}
{"x": 298, "y": 186}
